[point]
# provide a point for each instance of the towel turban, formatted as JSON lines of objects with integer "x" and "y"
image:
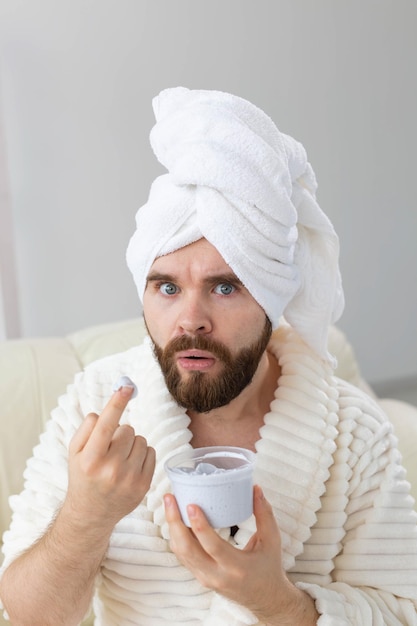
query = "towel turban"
{"x": 236, "y": 180}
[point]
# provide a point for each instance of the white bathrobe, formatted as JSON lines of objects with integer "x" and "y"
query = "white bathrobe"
{"x": 326, "y": 459}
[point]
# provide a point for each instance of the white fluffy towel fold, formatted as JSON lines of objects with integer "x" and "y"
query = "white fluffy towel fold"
{"x": 236, "y": 180}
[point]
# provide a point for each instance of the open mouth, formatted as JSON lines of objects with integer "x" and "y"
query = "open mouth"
{"x": 195, "y": 360}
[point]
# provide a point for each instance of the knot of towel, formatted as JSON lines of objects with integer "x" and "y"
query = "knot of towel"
{"x": 236, "y": 180}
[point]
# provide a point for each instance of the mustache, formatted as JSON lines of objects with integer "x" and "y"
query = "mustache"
{"x": 198, "y": 342}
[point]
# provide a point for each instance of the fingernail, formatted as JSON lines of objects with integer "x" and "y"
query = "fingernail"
{"x": 259, "y": 493}
{"x": 192, "y": 511}
{"x": 167, "y": 500}
{"x": 125, "y": 381}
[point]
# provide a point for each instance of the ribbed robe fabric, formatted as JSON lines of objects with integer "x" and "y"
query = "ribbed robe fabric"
{"x": 327, "y": 461}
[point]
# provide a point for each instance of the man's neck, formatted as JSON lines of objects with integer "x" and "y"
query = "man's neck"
{"x": 238, "y": 423}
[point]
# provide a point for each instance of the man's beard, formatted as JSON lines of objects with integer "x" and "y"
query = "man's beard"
{"x": 202, "y": 392}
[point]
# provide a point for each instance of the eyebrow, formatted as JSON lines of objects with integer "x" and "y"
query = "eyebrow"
{"x": 214, "y": 279}
{"x": 157, "y": 277}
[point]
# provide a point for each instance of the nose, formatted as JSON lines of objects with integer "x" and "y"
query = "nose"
{"x": 194, "y": 317}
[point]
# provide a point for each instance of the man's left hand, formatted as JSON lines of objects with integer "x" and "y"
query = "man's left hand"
{"x": 253, "y": 577}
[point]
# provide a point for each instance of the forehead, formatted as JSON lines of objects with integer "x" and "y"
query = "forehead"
{"x": 200, "y": 256}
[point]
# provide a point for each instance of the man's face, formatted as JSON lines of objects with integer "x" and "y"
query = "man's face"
{"x": 209, "y": 333}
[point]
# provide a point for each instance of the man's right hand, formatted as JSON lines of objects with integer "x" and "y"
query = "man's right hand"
{"x": 110, "y": 471}
{"x": 110, "y": 468}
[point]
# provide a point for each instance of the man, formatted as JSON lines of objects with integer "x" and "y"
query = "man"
{"x": 230, "y": 241}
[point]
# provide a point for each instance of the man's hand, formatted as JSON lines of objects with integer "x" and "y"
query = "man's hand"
{"x": 253, "y": 577}
{"x": 110, "y": 469}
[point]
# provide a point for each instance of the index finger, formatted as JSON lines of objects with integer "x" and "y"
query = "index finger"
{"x": 109, "y": 419}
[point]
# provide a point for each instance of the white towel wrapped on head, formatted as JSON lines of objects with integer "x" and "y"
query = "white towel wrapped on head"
{"x": 236, "y": 180}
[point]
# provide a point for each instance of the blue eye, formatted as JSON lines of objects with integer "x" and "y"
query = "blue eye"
{"x": 224, "y": 289}
{"x": 169, "y": 289}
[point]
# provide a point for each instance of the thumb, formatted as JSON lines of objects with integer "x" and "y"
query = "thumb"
{"x": 83, "y": 434}
{"x": 267, "y": 527}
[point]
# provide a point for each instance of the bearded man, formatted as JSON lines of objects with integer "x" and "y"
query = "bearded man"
{"x": 237, "y": 269}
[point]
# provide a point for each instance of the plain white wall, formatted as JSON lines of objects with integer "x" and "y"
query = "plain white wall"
{"x": 9, "y": 307}
{"x": 77, "y": 82}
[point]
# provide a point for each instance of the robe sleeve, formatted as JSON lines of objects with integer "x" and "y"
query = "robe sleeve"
{"x": 375, "y": 573}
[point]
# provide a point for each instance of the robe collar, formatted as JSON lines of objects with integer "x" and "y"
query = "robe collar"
{"x": 294, "y": 451}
